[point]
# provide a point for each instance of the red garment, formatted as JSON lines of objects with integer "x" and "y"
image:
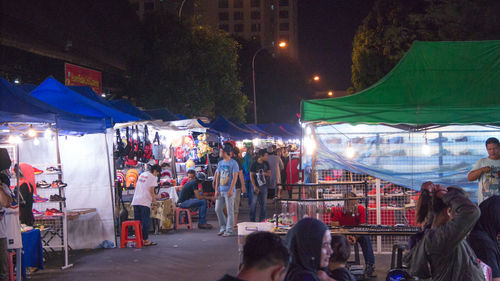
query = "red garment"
{"x": 184, "y": 181}
{"x": 293, "y": 166}
{"x": 28, "y": 177}
{"x": 349, "y": 219}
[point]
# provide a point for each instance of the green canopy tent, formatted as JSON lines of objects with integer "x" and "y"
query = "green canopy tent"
{"x": 434, "y": 83}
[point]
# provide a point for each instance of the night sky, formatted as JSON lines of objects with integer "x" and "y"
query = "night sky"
{"x": 326, "y": 30}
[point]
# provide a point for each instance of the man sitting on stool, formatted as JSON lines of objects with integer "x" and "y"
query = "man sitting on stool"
{"x": 190, "y": 197}
{"x": 354, "y": 214}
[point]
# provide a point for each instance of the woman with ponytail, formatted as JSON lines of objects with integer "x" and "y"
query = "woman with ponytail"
{"x": 440, "y": 252}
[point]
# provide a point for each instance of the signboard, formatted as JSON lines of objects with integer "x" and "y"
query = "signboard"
{"x": 81, "y": 76}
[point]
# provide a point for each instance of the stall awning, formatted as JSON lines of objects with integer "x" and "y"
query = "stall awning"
{"x": 127, "y": 107}
{"x": 161, "y": 114}
{"x": 434, "y": 83}
{"x": 18, "y": 106}
{"x": 229, "y": 129}
{"x": 60, "y": 96}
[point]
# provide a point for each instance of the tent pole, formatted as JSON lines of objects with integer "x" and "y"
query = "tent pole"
{"x": 18, "y": 251}
{"x": 110, "y": 186}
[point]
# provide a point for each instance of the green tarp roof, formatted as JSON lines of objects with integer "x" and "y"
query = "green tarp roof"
{"x": 434, "y": 83}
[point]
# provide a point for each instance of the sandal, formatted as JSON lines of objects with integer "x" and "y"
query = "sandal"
{"x": 150, "y": 244}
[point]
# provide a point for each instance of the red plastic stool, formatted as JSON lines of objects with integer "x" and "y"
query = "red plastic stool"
{"x": 12, "y": 275}
{"x": 138, "y": 234}
{"x": 178, "y": 223}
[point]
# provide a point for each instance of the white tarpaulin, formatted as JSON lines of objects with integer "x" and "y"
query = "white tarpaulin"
{"x": 86, "y": 171}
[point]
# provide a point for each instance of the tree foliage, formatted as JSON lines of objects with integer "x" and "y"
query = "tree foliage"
{"x": 188, "y": 68}
{"x": 391, "y": 27}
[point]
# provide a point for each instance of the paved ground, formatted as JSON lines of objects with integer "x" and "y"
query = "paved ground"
{"x": 183, "y": 255}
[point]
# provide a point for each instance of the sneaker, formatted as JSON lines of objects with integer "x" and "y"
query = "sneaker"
{"x": 58, "y": 183}
{"x": 227, "y": 234}
{"x": 39, "y": 199}
{"x": 370, "y": 270}
{"x": 220, "y": 233}
{"x": 53, "y": 170}
{"x": 42, "y": 184}
{"x": 56, "y": 197}
{"x": 204, "y": 226}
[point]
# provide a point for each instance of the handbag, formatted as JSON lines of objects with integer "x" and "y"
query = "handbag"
{"x": 147, "y": 154}
{"x": 157, "y": 148}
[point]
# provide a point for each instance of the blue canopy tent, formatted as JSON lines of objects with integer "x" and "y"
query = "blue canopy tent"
{"x": 294, "y": 129}
{"x": 87, "y": 92}
{"x": 276, "y": 130}
{"x": 60, "y": 96}
{"x": 255, "y": 129}
{"x": 162, "y": 114}
{"x": 18, "y": 106}
{"x": 230, "y": 130}
{"x": 125, "y": 106}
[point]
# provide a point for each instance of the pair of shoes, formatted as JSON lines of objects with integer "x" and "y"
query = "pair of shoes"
{"x": 58, "y": 183}
{"x": 370, "y": 270}
{"x": 56, "y": 197}
{"x": 227, "y": 234}
{"x": 204, "y": 226}
{"x": 220, "y": 233}
{"x": 39, "y": 199}
{"x": 42, "y": 184}
{"x": 53, "y": 170}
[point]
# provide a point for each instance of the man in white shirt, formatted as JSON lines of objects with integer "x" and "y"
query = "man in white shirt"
{"x": 487, "y": 171}
{"x": 144, "y": 195}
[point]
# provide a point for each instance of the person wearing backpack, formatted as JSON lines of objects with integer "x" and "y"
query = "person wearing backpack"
{"x": 441, "y": 252}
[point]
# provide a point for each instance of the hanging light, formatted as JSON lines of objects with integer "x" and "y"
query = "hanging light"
{"x": 48, "y": 133}
{"x": 349, "y": 152}
{"x": 426, "y": 149}
{"x": 309, "y": 145}
{"x": 14, "y": 139}
{"x": 31, "y": 132}
{"x": 308, "y": 130}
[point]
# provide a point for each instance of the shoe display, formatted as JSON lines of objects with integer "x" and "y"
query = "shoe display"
{"x": 204, "y": 226}
{"x": 36, "y": 213}
{"x": 42, "y": 184}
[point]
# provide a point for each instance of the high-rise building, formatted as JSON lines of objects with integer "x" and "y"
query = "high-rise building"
{"x": 265, "y": 21}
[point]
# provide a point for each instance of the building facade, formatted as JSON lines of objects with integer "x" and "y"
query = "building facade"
{"x": 265, "y": 21}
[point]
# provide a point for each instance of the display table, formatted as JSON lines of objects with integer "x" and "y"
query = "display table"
{"x": 32, "y": 250}
{"x": 164, "y": 213}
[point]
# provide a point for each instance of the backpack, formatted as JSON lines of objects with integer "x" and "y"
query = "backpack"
{"x": 120, "y": 146}
{"x": 147, "y": 154}
{"x": 157, "y": 149}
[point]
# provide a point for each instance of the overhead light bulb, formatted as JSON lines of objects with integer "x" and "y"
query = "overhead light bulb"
{"x": 308, "y": 130}
{"x": 14, "y": 139}
{"x": 31, "y": 132}
{"x": 48, "y": 133}
{"x": 426, "y": 149}
{"x": 309, "y": 145}
{"x": 36, "y": 141}
{"x": 349, "y": 152}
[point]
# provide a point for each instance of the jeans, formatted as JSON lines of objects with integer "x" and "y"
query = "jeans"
{"x": 4, "y": 260}
{"x": 226, "y": 224}
{"x": 143, "y": 214}
{"x": 261, "y": 198}
{"x": 249, "y": 186}
{"x": 366, "y": 247}
{"x": 201, "y": 204}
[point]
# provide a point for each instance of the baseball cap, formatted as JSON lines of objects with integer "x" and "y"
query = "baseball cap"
{"x": 201, "y": 176}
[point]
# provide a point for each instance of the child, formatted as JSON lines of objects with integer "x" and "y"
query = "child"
{"x": 341, "y": 251}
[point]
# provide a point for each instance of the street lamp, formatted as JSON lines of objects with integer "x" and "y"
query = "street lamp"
{"x": 330, "y": 93}
{"x": 281, "y": 44}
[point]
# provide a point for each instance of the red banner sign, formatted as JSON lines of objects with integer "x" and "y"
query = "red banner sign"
{"x": 80, "y": 76}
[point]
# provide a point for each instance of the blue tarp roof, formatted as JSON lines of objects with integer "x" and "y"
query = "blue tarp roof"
{"x": 255, "y": 129}
{"x": 276, "y": 130}
{"x": 17, "y": 105}
{"x": 127, "y": 107}
{"x": 162, "y": 114}
{"x": 87, "y": 92}
{"x": 229, "y": 129}
{"x": 60, "y": 96}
